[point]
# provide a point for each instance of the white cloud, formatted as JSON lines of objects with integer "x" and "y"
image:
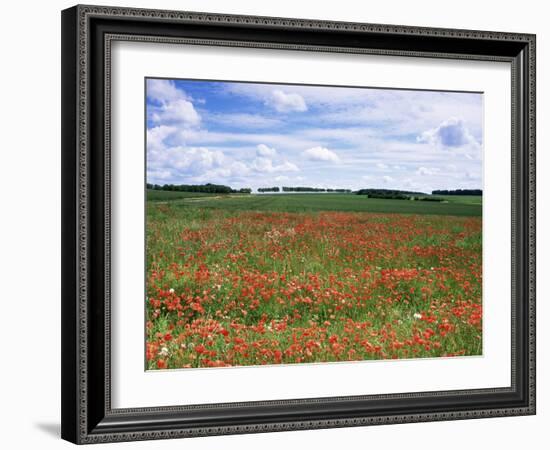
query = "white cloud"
{"x": 180, "y": 112}
{"x": 450, "y": 133}
{"x": 239, "y": 120}
{"x": 196, "y": 159}
{"x": 163, "y": 91}
{"x": 159, "y": 175}
{"x": 287, "y": 167}
{"x": 427, "y": 171}
{"x": 239, "y": 169}
{"x": 387, "y": 179}
{"x": 382, "y": 166}
{"x": 265, "y": 165}
{"x": 321, "y": 154}
{"x": 157, "y": 135}
{"x": 283, "y": 102}
{"x": 264, "y": 150}
{"x": 172, "y": 106}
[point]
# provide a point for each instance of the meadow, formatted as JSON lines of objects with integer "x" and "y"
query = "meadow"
{"x": 237, "y": 280}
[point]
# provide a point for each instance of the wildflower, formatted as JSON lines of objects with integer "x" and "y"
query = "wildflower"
{"x": 161, "y": 364}
{"x": 417, "y": 316}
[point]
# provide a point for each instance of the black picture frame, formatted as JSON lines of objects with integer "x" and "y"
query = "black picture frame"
{"x": 87, "y": 416}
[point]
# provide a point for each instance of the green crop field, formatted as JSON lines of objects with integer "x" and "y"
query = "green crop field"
{"x": 454, "y": 205}
{"x": 164, "y": 196}
{"x": 462, "y": 199}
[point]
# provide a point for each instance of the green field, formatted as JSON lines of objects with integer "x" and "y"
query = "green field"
{"x": 163, "y": 196}
{"x": 453, "y": 206}
{"x": 462, "y": 199}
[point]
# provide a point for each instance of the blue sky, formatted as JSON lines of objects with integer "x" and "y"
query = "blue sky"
{"x": 257, "y": 135}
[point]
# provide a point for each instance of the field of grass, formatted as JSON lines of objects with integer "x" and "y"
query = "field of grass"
{"x": 280, "y": 279}
{"x": 462, "y": 199}
{"x": 163, "y": 196}
{"x": 456, "y": 205}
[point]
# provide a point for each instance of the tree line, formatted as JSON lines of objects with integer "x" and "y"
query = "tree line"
{"x": 312, "y": 189}
{"x": 210, "y": 188}
{"x": 207, "y": 188}
{"x": 458, "y": 192}
{"x": 394, "y": 194}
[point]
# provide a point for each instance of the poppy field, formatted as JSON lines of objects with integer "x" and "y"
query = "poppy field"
{"x": 257, "y": 280}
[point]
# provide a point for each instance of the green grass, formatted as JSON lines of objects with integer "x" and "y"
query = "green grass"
{"x": 462, "y": 199}
{"x": 163, "y": 196}
{"x": 455, "y": 206}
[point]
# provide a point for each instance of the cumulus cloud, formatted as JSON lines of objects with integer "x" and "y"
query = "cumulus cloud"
{"x": 287, "y": 167}
{"x": 321, "y": 154}
{"x": 265, "y": 165}
{"x": 450, "y": 133}
{"x": 171, "y": 106}
{"x": 264, "y": 161}
{"x": 196, "y": 159}
{"x": 157, "y": 135}
{"x": 180, "y": 164}
{"x": 283, "y": 102}
{"x": 180, "y": 112}
{"x": 163, "y": 91}
{"x": 264, "y": 150}
{"x": 382, "y": 166}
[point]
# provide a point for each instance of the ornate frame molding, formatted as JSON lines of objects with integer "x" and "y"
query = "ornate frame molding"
{"x": 80, "y": 415}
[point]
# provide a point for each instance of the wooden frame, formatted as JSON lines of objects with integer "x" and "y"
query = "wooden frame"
{"x": 87, "y": 416}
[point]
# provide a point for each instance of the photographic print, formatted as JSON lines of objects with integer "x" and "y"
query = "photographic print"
{"x": 291, "y": 223}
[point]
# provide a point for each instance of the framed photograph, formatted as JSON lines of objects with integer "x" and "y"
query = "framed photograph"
{"x": 279, "y": 224}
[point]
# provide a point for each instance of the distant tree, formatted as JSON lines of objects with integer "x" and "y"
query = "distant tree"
{"x": 302, "y": 189}
{"x": 458, "y": 192}
{"x": 269, "y": 189}
{"x": 393, "y": 194}
{"x": 204, "y": 188}
{"x": 431, "y": 199}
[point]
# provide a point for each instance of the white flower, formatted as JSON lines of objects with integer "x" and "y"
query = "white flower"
{"x": 164, "y": 351}
{"x": 171, "y": 290}
{"x": 417, "y": 316}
